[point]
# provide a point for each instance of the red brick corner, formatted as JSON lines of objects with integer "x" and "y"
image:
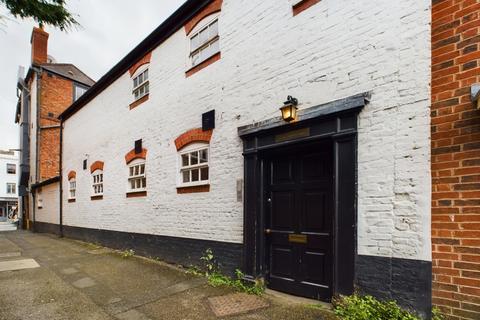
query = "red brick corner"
{"x": 131, "y": 155}
{"x": 193, "y": 135}
{"x": 97, "y": 165}
{"x": 214, "y": 6}
{"x": 139, "y": 63}
{"x": 303, "y": 5}
{"x": 72, "y": 175}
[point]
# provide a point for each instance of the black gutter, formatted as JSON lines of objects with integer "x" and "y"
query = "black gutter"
{"x": 60, "y": 218}
{"x": 176, "y": 21}
{"x": 44, "y": 183}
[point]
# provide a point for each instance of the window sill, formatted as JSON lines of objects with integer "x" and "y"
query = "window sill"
{"x": 71, "y": 200}
{"x": 97, "y": 197}
{"x": 303, "y": 5}
{"x": 203, "y": 64}
{"x": 138, "y": 102}
{"x": 194, "y": 189}
{"x": 136, "y": 194}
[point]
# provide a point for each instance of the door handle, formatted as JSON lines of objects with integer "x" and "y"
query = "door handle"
{"x": 268, "y": 231}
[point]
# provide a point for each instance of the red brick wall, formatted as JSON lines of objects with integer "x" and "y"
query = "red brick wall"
{"x": 56, "y": 94}
{"x": 455, "y": 158}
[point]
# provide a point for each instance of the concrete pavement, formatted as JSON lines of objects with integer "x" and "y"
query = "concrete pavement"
{"x": 76, "y": 280}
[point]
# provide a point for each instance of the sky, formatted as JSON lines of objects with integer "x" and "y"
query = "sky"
{"x": 109, "y": 30}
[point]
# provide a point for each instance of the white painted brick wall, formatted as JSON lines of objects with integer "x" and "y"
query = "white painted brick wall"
{"x": 333, "y": 50}
{"x": 51, "y": 203}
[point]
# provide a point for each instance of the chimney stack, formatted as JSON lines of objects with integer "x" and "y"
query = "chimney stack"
{"x": 39, "y": 42}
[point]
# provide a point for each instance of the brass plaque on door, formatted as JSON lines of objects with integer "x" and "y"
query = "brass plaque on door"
{"x": 297, "y": 238}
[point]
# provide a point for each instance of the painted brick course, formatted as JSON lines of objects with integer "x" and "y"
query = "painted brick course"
{"x": 455, "y": 158}
{"x": 332, "y": 50}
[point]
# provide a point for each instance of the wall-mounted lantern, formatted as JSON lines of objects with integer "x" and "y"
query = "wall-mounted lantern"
{"x": 289, "y": 109}
{"x": 475, "y": 94}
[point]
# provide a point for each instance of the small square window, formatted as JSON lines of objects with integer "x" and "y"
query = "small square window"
{"x": 11, "y": 168}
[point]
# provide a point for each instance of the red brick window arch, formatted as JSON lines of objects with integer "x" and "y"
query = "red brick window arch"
{"x": 193, "y": 149}
{"x": 72, "y": 186}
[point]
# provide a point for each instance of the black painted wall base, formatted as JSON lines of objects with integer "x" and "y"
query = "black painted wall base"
{"x": 181, "y": 251}
{"x": 409, "y": 282}
{"x": 45, "y": 227}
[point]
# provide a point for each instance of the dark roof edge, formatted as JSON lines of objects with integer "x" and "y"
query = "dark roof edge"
{"x": 70, "y": 78}
{"x": 45, "y": 182}
{"x": 341, "y": 105}
{"x": 153, "y": 40}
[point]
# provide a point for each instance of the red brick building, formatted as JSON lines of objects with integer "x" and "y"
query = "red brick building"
{"x": 46, "y": 91}
{"x": 455, "y": 129}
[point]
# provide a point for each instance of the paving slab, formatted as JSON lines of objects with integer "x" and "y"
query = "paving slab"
{"x": 18, "y": 264}
{"x": 84, "y": 283}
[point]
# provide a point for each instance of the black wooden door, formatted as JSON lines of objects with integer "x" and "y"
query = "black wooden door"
{"x": 298, "y": 224}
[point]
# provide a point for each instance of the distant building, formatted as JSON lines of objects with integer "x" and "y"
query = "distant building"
{"x": 46, "y": 91}
{"x": 8, "y": 182}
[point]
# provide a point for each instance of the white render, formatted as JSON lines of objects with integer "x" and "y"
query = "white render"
{"x": 6, "y": 199}
{"x": 49, "y": 197}
{"x": 333, "y": 50}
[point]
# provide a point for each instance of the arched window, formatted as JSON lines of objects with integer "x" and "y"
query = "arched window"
{"x": 137, "y": 178}
{"x": 204, "y": 40}
{"x": 97, "y": 185}
{"x": 140, "y": 83}
{"x": 72, "y": 187}
{"x": 194, "y": 165}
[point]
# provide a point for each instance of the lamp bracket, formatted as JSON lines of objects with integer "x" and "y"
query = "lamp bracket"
{"x": 291, "y": 100}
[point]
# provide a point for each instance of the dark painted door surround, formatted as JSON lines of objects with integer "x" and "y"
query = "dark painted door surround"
{"x": 298, "y": 220}
{"x": 287, "y": 160}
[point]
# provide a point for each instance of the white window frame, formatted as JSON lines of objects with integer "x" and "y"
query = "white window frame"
{"x": 205, "y": 23}
{"x": 11, "y": 188}
{"x": 72, "y": 186}
{"x": 131, "y": 166}
{"x": 145, "y": 84}
{"x": 191, "y": 148}
{"x": 97, "y": 182}
{"x": 76, "y": 94}
{"x": 14, "y": 168}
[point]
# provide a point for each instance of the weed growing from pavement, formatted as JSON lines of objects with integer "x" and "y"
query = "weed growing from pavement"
{"x": 216, "y": 278}
{"x": 127, "y": 253}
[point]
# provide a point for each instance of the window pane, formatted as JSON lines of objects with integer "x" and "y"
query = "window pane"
{"x": 186, "y": 176}
{"x": 214, "y": 29}
{"x": 194, "y": 42}
{"x": 195, "y": 175}
{"x": 140, "y": 78}
{"x": 215, "y": 47}
{"x": 204, "y": 174}
{"x": 147, "y": 88}
{"x": 145, "y": 76}
{"x": 136, "y": 94}
{"x": 132, "y": 184}
{"x": 203, "y": 156}
{"x": 135, "y": 82}
{"x": 144, "y": 182}
{"x": 194, "y": 158}
{"x": 184, "y": 160}
{"x": 131, "y": 171}
{"x": 141, "y": 90}
{"x": 195, "y": 58}
{"x": 204, "y": 37}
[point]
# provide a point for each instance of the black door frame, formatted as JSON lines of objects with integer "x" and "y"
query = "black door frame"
{"x": 336, "y": 121}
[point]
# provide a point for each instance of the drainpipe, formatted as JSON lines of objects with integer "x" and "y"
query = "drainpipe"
{"x": 37, "y": 147}
{"x": 61, "y": 180}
